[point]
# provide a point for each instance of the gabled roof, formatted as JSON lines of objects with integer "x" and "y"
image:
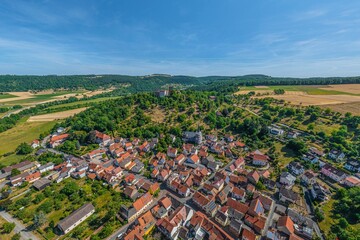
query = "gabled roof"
{"x": 238, "y": 206}
{"x": 285, "y": 221}
{"x": 142, "y": 201}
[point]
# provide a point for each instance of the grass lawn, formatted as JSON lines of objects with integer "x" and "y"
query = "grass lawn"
{"x": 3, "y": 235}
{"x": 309, "y": 89}
{"x": 328, "y": 221}
{"x": 285, "y": 155}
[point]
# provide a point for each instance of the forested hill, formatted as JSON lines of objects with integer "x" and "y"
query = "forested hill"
{"x": 131, "y": 84}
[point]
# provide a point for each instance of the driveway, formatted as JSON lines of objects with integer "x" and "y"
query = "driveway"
{"x": 19, "y": 227}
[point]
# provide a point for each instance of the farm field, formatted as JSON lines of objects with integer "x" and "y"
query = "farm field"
{"x": 6, "y": 96}
{"x": 55, "y": 116}
{"x": 84, "y": 102}
{"x": 28, "y": 98}
{"x": 341, "y": 98}
{"x": 354, "y": 107}
{"x": 22, "y": 132}
{"x": 347, "y": 89}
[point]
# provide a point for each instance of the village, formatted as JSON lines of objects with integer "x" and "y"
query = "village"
{"x": 214, "y": 187}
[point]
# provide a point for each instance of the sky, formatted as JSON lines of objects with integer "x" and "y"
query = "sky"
{"x": 181, "y": 37}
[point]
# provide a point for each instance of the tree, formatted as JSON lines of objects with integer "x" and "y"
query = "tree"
{"x": 70, "y": 188}
{"x": 16, "y": 237}
{"x": 39, "y": 219}
{"x": 24, "y": 149}
{"x": 8, "y": 227}
{"x": 15, "y": 172}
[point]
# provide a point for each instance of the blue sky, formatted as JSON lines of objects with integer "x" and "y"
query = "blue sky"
{"x": 189, "y": 37}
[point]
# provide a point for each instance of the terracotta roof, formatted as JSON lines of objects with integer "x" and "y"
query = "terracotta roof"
{"x": 59, "y": 137}
{"x": 142, "y": 201}
{"x": 285, "y": 221}
{"x": 248, "y": 235}
{"x": 165, "y": 202}
{"x": 238, "y": 206}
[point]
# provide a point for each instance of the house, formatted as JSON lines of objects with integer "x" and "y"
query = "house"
{"x": 352, "y": 165}
{"x": 179, "y": 159}
{"x": 276, "y": 131}
{"x": 309, "y": 157}
{"x": 193, "y": 159}
{"x": 47, "y": 167}
{"x": 229, "y": 138}
{"x": 336, "y": 155}
{"x": 137, "y": 208}
{"x": 256, "y": 208}
{"x": 75, "y": 218}
{"x": 172, "y": 152}
{"x": 170, "y": 226}
{"x": 203, "y": 227}
{"x": 257, "y": 223}
{"x": 308, "y": 178}
{"x": 287, "y": 179}
{"x": 239, "y": 194}
{"x": 222, "y": 196}
{"x": 248, "y": 235}
{"x": 194, "y": 137}
{"x": 222, "y": 216}
{"x": 253, "y": 177}
{"x": 333, "y": 173}
{"x": 58, "y": 139}
{"x": 287, "y": 195}
{"x": 235, "y": 226}
{"x": 139, "y": 166}
{"x": 258, "y": 159}
{"x": 131, "y": 192}
{"x": 33, "y": 177}
{"x": 296, "y": 168}
{"x": 351, "y": 181}
{"x": 95, "y": 154}
{"x": 318, "y": 192}
{"x": 206, "y": 203}
{"x": 163, "y": 175}
{"x": 285, "y": 225}
{"x": 35, "y": 143}
{"x": 236, "y": 209}
{"x": 18, "y": 179}
{"x": 22, "y": 167}
{"x": 317, "y": 152}
{"x": 266, "y": 201}
{"x": 102, "y": 138}
{"x": 292, "y": 134}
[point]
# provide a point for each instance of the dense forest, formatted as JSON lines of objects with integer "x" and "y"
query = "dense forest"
{"x": 132, "y": 84}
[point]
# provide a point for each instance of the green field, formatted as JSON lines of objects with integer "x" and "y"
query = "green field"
{"x": 309, "y": 89}
{"x": 22, "y": 132}
{"x": 82, "y": 103}
{"x": 6, "y": 95}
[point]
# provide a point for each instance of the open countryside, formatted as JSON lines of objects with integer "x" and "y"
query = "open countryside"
{"x": 343, "y": 97}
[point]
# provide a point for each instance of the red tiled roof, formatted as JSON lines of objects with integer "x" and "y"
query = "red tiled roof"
{"x": 59, "y": 137}
{"x": 285, "y": 221}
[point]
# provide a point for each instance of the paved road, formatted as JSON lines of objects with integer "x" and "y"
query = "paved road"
{"x": 269, "y": 218}
{"x": 19, "y": 227}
